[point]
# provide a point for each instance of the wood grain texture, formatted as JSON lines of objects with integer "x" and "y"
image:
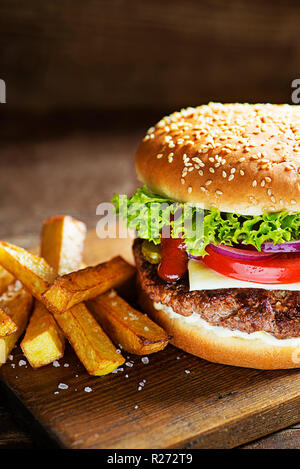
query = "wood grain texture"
{"x": 210, "y": 406}
{"x": 138, "y": 54}
{"x": 286, "y": 439}
{"x": 12, "y": 436}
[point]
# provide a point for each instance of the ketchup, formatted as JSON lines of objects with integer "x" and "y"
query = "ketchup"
{"x": 174, "y": 259}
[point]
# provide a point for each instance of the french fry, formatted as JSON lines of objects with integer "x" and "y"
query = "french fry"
{"x": 127, "y": 327}
{"x": 43, "y": 342}
{"x": 76, "y": 287}
{"x": 7, "y": 325}
{"x": 5, "y": 279}
{"x": 93, "y": 348}
{"x": 32, "y": 271}
{"x": 61, "y": 245}
{"x": 17, "y": 303}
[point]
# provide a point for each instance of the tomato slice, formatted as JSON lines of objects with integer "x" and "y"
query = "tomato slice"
{"x": 282, "y": 268}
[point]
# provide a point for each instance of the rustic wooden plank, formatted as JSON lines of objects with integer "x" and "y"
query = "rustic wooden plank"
{"x": 213, "y": 406}
{"x": 286, "y": 439}
{"x": 11, "y": 436}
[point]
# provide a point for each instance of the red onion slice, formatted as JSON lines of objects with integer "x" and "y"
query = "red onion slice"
{"x": 239, "y": 254}
{"x": 291, "y": 246}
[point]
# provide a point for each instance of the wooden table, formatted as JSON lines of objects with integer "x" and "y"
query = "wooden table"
{"x": 70, "y": 173}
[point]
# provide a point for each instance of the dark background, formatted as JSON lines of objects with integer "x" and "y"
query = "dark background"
{"x": 103, "y": 55}
{"x": 85, "y": 79}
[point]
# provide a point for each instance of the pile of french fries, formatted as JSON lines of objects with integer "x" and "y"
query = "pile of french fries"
{"x": 52, "y": 298}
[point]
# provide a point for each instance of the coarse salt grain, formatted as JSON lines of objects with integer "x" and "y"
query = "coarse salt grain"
{"x": 88, "y": 389}
{"x": 145, "y": 360}
{"x": 62, "y": 386}
{"x": 56, "y": 364}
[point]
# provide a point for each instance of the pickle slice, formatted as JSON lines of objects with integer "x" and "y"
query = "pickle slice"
{"x": 151, "y": 252}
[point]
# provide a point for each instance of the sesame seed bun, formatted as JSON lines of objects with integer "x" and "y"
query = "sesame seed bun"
{"x": 250, "y": 353}
{"x": 240, "y": 158}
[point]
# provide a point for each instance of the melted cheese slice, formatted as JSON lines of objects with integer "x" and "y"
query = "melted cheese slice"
{"x": 203, "y": 278}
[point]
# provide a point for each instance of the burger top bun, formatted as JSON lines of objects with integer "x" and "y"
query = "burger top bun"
{"x": 242, "y": 158}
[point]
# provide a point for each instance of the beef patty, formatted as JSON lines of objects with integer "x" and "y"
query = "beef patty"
{"x": 244, "y": 309}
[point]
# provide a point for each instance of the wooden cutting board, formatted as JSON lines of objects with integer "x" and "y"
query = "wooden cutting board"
{"x": 184, "y": 402}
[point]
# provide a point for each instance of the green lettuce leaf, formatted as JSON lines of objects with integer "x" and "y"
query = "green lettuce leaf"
{"x": 149, "y": 213}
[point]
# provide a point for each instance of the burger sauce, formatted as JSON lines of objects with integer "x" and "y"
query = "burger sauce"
{"x": 174, "y": 260}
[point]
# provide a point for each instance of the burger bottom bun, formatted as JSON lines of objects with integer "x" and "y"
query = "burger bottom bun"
{"x": 236, "y": 351}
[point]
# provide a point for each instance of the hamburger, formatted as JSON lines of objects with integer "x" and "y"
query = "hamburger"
{"x": 230, "y": 292}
